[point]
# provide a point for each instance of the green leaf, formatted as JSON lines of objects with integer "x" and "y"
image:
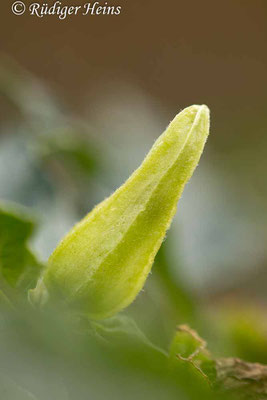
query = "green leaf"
{"x": 4, "y": 301}
{"x": 76, "y": 153}
{"x": 19, "y": 268}
{"x": 122, "y": 329}
{"x": 10, "y": 390}
{"x": 189, "y": 348}
{"x": 180, "y": 297}
{"x": 102, "y": 264}
{"x": 245, "y": 329}
{"x": 121, "y": 337}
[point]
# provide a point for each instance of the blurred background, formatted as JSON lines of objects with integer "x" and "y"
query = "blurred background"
{"x": 82, "y": 101}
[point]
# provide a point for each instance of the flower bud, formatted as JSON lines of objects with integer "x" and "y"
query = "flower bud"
{"x": 103, "y": 262}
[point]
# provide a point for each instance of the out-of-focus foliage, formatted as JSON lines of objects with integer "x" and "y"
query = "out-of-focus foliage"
{"x": 239, "y": 330}
{"x": 248, "y": 331}
{"x": 19, "y": 268}
{"x": 60, "y": 357}
{"x": 10, "y": 390}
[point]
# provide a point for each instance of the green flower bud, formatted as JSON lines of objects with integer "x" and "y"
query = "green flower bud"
{"x": 103, "y": 262}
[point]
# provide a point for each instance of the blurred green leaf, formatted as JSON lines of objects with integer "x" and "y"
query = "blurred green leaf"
{"x": 246, "y": 331}
{"x": 122, "y": 329}
{"x": 4, "y": 301}
{"x": 180, "y": 297}
{"x": 18, "y": 266}
{"x": 10, "y": 390}
{"x": 77, "y": 153}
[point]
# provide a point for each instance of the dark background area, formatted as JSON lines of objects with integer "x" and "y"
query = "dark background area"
{"x": 178, "y": 52}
